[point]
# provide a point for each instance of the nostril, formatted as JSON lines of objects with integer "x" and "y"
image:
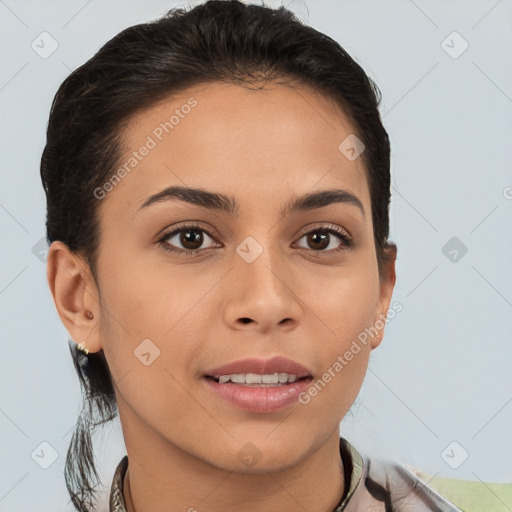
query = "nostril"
{"x": 245, "y": 320}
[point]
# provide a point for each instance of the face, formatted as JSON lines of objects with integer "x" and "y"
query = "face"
{"x": 190, "y": 283}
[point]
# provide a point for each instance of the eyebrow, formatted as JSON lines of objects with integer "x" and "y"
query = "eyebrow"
{"x": 227, "y": 204}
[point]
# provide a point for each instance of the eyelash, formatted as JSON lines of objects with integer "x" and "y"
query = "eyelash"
{"x": 331, "y": 228}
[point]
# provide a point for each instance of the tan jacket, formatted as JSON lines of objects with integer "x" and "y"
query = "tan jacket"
{"x": 373, "y": 486}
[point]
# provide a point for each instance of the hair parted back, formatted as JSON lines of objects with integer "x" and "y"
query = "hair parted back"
{"x": 219, "y": 40}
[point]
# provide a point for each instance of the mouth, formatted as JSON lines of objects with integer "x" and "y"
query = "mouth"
{"x": 259, "y": 380}
{"x": 259, "y": 386}
{"x": 275, "y": 370}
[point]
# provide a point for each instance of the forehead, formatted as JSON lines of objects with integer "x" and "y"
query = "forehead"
{"x": 249, "y": 143}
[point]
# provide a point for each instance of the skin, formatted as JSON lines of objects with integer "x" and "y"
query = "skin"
{"x": 263, "y": 147}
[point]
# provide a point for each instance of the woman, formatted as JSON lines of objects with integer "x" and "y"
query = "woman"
{"x": 218, "y": 185}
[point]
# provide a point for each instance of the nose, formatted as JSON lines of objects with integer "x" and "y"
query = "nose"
{"x": 260, "y": 295}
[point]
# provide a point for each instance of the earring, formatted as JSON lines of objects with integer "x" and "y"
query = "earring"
{"x": 81, "y": 347}
{"x": 379, "y": 335}
{"x": 89, "y": 315}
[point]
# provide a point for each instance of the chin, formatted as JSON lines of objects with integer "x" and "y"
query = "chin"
{"x": 273, "y": 463}
{"x": 260, "y": 454}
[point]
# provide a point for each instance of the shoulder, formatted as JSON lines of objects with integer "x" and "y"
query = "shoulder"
{"x": 388, "y": 487}
{"x": 402, "y": 489}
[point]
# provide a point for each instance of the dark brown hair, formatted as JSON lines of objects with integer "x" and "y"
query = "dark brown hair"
{"x": 220, "y": 40}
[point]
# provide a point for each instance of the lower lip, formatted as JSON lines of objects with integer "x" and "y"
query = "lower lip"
{"x": 259, "y": 399}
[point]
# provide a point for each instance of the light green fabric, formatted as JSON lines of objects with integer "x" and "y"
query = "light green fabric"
{"x": 472, "y": 496}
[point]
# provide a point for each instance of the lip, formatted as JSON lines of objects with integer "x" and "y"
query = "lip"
{"x": 276, "y": 364}
{"x": 256, "y": 399}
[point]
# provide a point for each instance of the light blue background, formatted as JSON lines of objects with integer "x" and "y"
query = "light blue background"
{"x": 443, "y": 372}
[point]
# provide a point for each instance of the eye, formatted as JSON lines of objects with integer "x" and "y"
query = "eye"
{"x": 320, "y": 239}
{"x": 191, "y": 237}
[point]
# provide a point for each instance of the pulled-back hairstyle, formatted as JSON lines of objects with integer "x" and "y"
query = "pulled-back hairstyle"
{"x": 220, "y": 40}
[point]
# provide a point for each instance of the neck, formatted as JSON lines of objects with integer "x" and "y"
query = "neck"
{"x": 163, "y": 478}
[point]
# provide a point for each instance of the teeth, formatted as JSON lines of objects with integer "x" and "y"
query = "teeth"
{"x": 256, "y": 378}
{"x": 270, "y": 379}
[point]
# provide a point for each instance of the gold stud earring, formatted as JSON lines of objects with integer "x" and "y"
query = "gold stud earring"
{"x": 89, "y": 315}
{"x": 81, "y": 347}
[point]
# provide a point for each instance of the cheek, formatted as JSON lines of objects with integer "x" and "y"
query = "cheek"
{"x": 150, "y": 326}
{"x": 147, "y": 347}
{"x": 346, "y": 302}
{"x": 346, "y": 305}
{"x": 148, "y": 300}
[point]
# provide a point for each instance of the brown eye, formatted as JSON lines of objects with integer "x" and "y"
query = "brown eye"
{"x": 318, "y": 239}
{"x": 187, "y": 239}
{"x": 324, "y": 240}
{"x": 191, "y": 239}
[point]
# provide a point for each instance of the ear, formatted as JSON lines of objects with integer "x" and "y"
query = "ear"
{"x": 75, "y": 295}
{"x": 387, "y": 285}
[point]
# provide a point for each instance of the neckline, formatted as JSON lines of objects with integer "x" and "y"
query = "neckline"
{"x": 352, "y": 464}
